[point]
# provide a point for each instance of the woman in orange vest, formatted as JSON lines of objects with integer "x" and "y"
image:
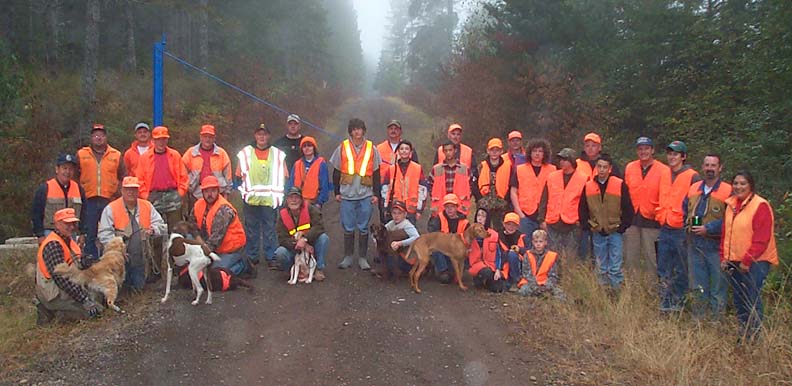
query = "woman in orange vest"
{"x": 540, "y": 271}
{"x": 748, "y": 249}
{"x": 485, "y": 257}
{"x": 404, "y": 181}
{"x": 310, "y": 174}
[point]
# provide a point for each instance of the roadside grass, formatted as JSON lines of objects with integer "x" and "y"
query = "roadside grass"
{"x": 600, "y": 339}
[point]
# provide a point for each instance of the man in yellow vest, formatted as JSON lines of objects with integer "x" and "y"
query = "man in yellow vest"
{"x": 220, "y": 228}
{"x": 262, "y": 174}
{"x": 55, "y": 194}
{"x": 358, "y": 185}
{"x": 101, "y": 171}
{"x": 59, "y": 298}
{"x": 300, "y": 217}
{"x": 136, "y": 220}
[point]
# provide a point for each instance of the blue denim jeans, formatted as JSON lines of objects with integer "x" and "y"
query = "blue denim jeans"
{"x": 356, "y": 214}
{"x": 709, "y": 283}
{"x": 92, "y": 212}
{"x": 608, "y": 254}
{"x": 747, "y": 293}
{"x": 286, "y": 257}
{"x": 441, "y": 262}
{"x": 234, "y": 262}
{"x": 515, "y": 267}
{"x": 260, "y": 224}
{"x": 527, "y": 227}
{"x": 672, "y": 267}
{"x": 585, "y": 245}
{"x": 135, "y": 276}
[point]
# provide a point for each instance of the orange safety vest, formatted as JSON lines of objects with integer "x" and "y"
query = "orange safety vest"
{"x": 225, "y": 278}
{"x": 465, "y": 155}
{"x": 738, "y": 231}
{"x": 219, "y": 163}
{"x": 461, "y": 225}
{"x": 672, "y": 194}
{"x": 461, "y": 187}
{"x": 70, "y": 253}
{"x": 716, "y": 206}
{"x": 121, "y": 216}
{"x": 484, "y": 255}
{"x": 531, "y": 186}
{"x": 541, "y": 273}
{"x": 303, "y": 221}
{"x": 308, "y": 181}
{"x": 387, "y": 157}
{"x": 501, "y": 178}
{"x": 234, "y": 238}
{"x": 584, "y": 167}
{"x": 99, "y": 178}
{"x": 505, "y": 249}
{"x": 563, "y": 201}
{"x": 57, "y": 201}
{"x": 359, "y": 163}
{"x": 404, "y": 187}
{"x": 605, "y": 211}
{"x": 145, "y": 171}
{"x": 645, "y": 191}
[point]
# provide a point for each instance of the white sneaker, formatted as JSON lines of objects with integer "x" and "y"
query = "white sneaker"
{"x": 363, "y": 263}
{"x": 346, "y": 263}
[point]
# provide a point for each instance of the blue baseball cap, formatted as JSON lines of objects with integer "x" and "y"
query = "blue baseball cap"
{"x": 644, "y": 141}
{"x": 65, "y": 159}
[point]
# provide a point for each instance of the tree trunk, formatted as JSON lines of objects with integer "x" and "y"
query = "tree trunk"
{"x": 91, "y": 64}
{"x": 54, "y": 12}
{"x": 203, "y": 34}
{"x": 131, "y": 56}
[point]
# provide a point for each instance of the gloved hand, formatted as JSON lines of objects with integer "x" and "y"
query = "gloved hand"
{"x": 91, "y": 307}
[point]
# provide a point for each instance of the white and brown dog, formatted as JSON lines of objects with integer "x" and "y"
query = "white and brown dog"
{"x": 198, "y": 257}
{"x": 304, "y": 265}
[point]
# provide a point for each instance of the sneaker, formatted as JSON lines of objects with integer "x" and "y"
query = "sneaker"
{"x": 346, "y": 263}
{"x": 363, "y": 263}
{"x": 319, "y": 275}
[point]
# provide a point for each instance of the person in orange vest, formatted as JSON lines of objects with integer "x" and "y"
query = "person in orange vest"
{"x": 516, "y": 153}
{"x": 642, "y": 176}
{"x": 606, "y": 212}
{"x": 219, "y": 226}
{"x": 291, "y": 142}
{"x": 136, "y": 220}
{"x": 563, "y": 192}
{"x": 527, "y": 184}
{"x": 464, "y": 153}
{"x": 509, "y": 238}
{"x": 101, "y": 171}
{"x": 450, "y": 220}
{"x": 492, "y": 189}
{"x": 206, "y": 159}
{"x": 540, "y": 269}
{"x": 388, "y": 156}
{"x": 486, "y": 258}
{"x": 704, "y": 208}
{"x": 671, "y": 250}
{"x": 311, "y": 174}
{"x": 300, "y": 217}
{"x": 404, "y": 181}
{"x": 59, "y": 298}
{"x": 450, "y": 177}
{"x": 358, "y": 186}
{"x": 139, "y": 146}
{"x": 55, "y": 194}
{"x": 748, "y": 249}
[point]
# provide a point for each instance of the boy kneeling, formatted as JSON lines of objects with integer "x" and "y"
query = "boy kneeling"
{"x": 539, "y": 272}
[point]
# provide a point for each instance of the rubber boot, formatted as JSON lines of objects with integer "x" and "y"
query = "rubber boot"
{"x": 349, "y": 250}
{"x": 363, "y": 251}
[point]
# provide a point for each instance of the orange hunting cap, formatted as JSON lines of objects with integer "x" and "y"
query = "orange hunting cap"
{"x": 593, "y": 137}
{"x": 454, "y": 126}
{"x": 494, "y": 142}
{"x": 130, "y": 182}
{"x": 511, "y": 217}
{"x": 515, "y": 134}
{"x": 451, "y": 198}
{"x": 160, "y": 132}
{"x": 207, "y": 129}
{"x": 309, "y": 139}
{"x": 210, "y": 182}
{"x": 65, "y": 215}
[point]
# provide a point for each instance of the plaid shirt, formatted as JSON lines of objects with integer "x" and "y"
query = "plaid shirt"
{"x": 220, "y": 224}
{"x": 450, "y": 175}
{"x": 53, "y": 255}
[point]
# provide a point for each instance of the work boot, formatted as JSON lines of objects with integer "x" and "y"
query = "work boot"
{"x": 319, "y": 275}
{"x": 363, "y": 251}
{"x": 43, "y": 315}
{"x": 349, "y": 250}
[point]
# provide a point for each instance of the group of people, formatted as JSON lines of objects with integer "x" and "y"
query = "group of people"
{"x": 657, "y": 217}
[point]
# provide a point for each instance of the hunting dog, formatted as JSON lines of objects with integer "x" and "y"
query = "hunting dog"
{"x": 304, "y": 265}
{"x": 105, "y": 276}
{"x": 452, "y": 245}
{"x": 382, "y": 239}
{"x": 192, "y": 253}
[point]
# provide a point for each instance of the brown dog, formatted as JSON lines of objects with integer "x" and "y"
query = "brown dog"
{"x": 450, "y": 244}
{"x": 105, "y": 276}
{"x": 383, "y": 238}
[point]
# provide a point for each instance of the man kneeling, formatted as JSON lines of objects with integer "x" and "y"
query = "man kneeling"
{"x": 298, "y": 216}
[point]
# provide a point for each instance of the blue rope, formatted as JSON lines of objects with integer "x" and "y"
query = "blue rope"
{"x": 249, "y": 95}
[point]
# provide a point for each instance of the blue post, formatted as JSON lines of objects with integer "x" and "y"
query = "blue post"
{"x": 157, "y": 96}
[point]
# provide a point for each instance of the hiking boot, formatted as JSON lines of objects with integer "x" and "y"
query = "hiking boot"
{"x": 346, "y": 263}
{"x": 273, "y": 265}
{"x": 444, "y": 278}
{"x": 513, "y": 288}
{"x": 251, "y": 267}
{"x": 43, "y": 315}
{"x": 319, "y": 275}
{"x": 363, "y": 263}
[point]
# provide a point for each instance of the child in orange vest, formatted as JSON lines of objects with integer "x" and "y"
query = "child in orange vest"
{"x": 539, "y": 269}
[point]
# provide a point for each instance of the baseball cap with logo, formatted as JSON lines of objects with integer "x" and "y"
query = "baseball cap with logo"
{"x": 677, "y": 146}
{"x": 65, "y": 215}
{"x": 210, "y": 182}
{"x": 142, "y": 125}
{"x": 130, "y": 182}
{"x": 98, "y": 126}
{"x": 294, "y": 190}
{"x": 450, "y": 198}
{"x": 293, "y": 117}
{"x": 494, "y": 142}
{"x": 66, "y": 159}
{"x": 593, "y": 137}
{"x": 644, "y": 141}
{"x": 399, "y": 205}
{"x": 567, "y": 154}
{"x": 207, "y": 129}
{"x": 511, "y": 217}
{"x": 394, "y": 122}
{"x": 454, "y": 126}
{"x": 515, "y": 134}
{"x": 262, "y": 126}
{"x": 160, "y": 132}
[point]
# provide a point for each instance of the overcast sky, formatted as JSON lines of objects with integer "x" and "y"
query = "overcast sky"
{"x": 372, "y": 24}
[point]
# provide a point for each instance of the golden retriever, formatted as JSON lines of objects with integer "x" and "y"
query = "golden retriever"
{"x": 105, "y": 276}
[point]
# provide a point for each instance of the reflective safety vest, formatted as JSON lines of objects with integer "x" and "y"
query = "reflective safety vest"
{"x": 71, "y": 253}
{"x": 484, "y": 255}
{"x": 531, "y": 186}
{"x": 672, "y": 194}
{"x": 563, "y": 201}
{"x": 645, "y": 191}
{"x": 357, "y": 163}
{"x": 262, "y": 180}
{"x": 308, "y": 181}
{"x": 584, "y": 167}
{"x": 303, "y": 221}
{"x": 465, "y": 155}
{"x": 716, "y": 205}
{"x": 738, "y": 231}
{"x": 540, "y": 273}
{"x": 605, "y": 211}
{"x": 461, "y": 187}
{"x": 56, "y": 201}
{"x": 234, "y": 238}
{"x": 404, "y": 187}
{"x": 461, "y": 225}
{"x": 219, "y": 163}
{"x": 121, "y": 216}
{"x": 502, "y": 175}
{"x": 99, "y": 178}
